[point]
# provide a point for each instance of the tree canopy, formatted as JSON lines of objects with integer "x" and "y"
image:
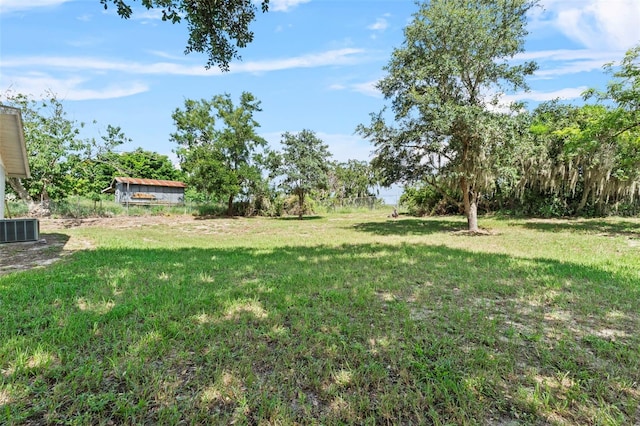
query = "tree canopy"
{"x": 591, "y": 151}
{"x": 98, "y": 172}
{"x": 444, "y": 85}
{"x": 352, "y": 179}
{"x": 219, "y": 159}
{"x": 56, "y": 151}
{"x": 217, "y": 29}
{"x": 303, "y": 164}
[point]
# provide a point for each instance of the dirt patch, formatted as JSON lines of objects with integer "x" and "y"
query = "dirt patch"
{"x": 22, "y": 256}
{"x": 54, "y": 244}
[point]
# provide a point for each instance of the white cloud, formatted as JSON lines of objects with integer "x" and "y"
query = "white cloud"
{"x": 538, "y": 96}
{"x": 381, "y": 24}
{"x": 147, "y": 15}
{"x": 328, "y": 58}
{"x": 18, "y": 72}
{"x": 561, "y": 62}
{"x": 595, "y": 24}
{"x": 71, "y": 88}
{"x": 19, "y": 5}
{"x": 85, "y": 42}
{"x": 567, "y": 55}
{"x": 165, "y": 55}
{"x": 284, "y": 5}
{"x": 79, "y": 64}
{"x": 367, "y": 88}
{"x": 344, "y": 56}
{"x": 570, "y": 68}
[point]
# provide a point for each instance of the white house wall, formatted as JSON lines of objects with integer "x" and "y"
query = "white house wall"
{"x": 2, "y": 189}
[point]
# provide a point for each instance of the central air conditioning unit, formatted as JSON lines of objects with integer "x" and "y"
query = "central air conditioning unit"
{"x": 19, "y": 230}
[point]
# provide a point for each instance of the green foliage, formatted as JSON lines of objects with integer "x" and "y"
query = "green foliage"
{"x": 454, "y": 54}
{"x": 216, "y": 30}
{"x": 353, "y": 179}
{"x": 427, "y": 200}
{"x": 78, "y": 207}
{"x": 145, "y": 165}
{"x": 58, "y": 156}
{"x": 589, "y": 156}
{"x": 303, "y": 165}
{"x": 219, "y": 161}
{"x": 210, "y": 209}
{"x": 100, "y": 171}
{"x": 53, "y": 146}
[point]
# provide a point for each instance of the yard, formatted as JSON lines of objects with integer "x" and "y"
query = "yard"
{"x": 350, "y": 318}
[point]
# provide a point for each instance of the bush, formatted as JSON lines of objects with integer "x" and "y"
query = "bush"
{"x": 291, "y": 206}
{"x": 211, "y": 209}
{"x": 425, "y": 200}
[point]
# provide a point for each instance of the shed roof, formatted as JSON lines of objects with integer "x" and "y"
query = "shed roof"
{"x": 148, "y": 182}
{"x": 13, "y": 151}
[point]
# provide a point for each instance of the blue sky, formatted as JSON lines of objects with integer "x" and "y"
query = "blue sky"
{"x": 313, "y": 63}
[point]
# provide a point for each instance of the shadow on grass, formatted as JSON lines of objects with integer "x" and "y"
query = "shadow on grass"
{"x": 315, "y": 217}
{"x": 16, "y": 257}
{"x": 620, "y": 228}
{"x": 410, "y": 226}
{"x": 214, "y": 217}
{"x": 360, "y": 333}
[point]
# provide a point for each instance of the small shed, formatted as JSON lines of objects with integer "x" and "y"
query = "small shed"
{"x": 146, "y": 191}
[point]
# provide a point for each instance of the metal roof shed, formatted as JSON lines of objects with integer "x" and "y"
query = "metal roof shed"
{"x": 146, "y": 191}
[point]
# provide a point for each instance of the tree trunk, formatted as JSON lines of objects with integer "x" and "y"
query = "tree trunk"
{"x": 472, "y": 216}
{"x": 300, "y": 204}
{"x": 230, "y": 206}
{"x": 470, "y": 199}
{"x": 17, "y": 186}
{"x": 585, "y": 197}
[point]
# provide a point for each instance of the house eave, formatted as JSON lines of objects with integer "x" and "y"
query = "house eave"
{"x": 13, "y": 150}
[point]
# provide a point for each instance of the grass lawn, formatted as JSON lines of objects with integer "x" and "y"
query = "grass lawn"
{"x": 339, "y": 319}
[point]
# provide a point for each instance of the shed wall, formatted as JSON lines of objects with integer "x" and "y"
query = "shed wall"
{"x": 148, "y": 194}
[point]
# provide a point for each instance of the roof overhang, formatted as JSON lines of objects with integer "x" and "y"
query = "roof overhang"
{"x": 13, "y": 150}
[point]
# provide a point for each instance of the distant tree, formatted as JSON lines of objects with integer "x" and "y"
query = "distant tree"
{"x": 55, "y": 149}
{"x": 352, "y": 179}
{"x": 219, "y": 159}
{"x": 100, "y": 171}
{"x": 215, "y": 28}
{"x": 89, "y": 179}
{"x": 303, "y": 164}
{"x": 444, "y": 84}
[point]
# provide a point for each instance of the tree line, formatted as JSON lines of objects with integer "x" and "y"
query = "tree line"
{"x": 448, "y": 137}
{"x": 222, "y": 158}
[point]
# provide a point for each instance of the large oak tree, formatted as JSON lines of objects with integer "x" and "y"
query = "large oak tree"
{"x": 444, "y": 84}
{"x": 216, "y": 28}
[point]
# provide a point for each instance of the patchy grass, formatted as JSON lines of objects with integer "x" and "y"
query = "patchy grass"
{"x": 343, "y": 319}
